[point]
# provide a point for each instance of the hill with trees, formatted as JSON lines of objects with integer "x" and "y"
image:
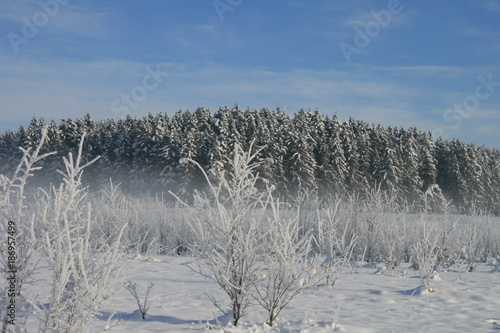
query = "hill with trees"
{"x": 308, "y": 151}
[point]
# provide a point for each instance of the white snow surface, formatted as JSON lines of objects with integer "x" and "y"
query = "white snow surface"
{"x": 365, "y": 298}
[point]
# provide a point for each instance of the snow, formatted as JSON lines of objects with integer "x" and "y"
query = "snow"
{"x": 364, "y": 298}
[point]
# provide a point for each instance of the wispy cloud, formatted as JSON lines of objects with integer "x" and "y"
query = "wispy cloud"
{"x": 14, "y": 10}
{"x": 71, "y": 89}
{"x": 492, "y": 5}
{"x": 202, "y": 38}
{"x": 401, "y": 18}
{"x": 67, "y": 18}
{"x": 475, "y": 32}
{"x": 424, "y": 70}
{"x": 90, "y": 24}
{"x": 490, "y": 114}
{"x": 190, "y": 35}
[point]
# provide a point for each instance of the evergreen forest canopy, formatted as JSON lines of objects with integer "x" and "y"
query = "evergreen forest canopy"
{"x": 304, "y": 152}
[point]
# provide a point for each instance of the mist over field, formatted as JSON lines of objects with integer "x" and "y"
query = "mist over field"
{"x": 306, "y": 152}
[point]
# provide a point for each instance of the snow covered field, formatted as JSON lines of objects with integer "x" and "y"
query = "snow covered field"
{"x": 364, "y": 299}
{"x": 432, "y": 272}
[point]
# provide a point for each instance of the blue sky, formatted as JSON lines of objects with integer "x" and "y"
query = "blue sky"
{"x": 433, "y": 65}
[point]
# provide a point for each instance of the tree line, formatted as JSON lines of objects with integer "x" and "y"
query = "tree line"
{"x": 305, "y": 152}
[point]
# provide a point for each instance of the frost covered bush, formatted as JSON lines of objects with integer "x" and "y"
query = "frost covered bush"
{"x": 335, "y": 238}
{"x": 83, "y": 269}
{"x": 249, "y": 249}
{"x": 471, "y": 245}
{"x": 288, "y": 264}
{"x": 13, "y": 207}
{"x": 117, "y": 211}
{"x": 164, "y": 226}
{"x": 112, "y": 210}
{"x": 425, "y": 247}
{"x": 152, "y": 226}
{"x": 227, "y": 223}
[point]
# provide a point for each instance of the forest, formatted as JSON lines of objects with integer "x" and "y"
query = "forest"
{"x": 306, "y": 152}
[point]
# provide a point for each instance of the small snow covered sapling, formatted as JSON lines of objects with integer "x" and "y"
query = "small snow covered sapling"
{"x": 143, "y": 306}
{"x": 289, "y": 266}
{"x": 13, "y": 207}
{"x": 83, "y": 272}
{"x": 227, "y": 226}
{"x": 336, "y": 240}
{"x": 426, "y": 252}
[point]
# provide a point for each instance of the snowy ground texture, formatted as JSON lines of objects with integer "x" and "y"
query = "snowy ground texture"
{"x": 364, "y": 299}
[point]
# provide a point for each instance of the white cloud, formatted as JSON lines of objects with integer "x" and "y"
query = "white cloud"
{"x": 394, "y": 20}
{"x": 56, "y": 89}
{"x": 94, "y": 25}
{"x": 63, "y": 19}
{"x": 15, "y": 10}
{"x": 424, "y": 70}
{"x": 472, "y": 31}
{"x": 489, "y": 114}
{"x": 492, "y": 5}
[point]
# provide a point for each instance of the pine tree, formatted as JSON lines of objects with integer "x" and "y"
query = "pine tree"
{"x": 316, "y": 123}
{"x": 471, "y": 171}
{"x": 124, "y": 146}
{"x": 9, "y": 151}
{"x": 221, "y": 144}
{"x": 491, "y": 179}
{"x": 203, "y": 119}
{"x": 450, "y": 178}
{"x": 55, "y": 143}
{"x": 172, "y": 154}
{"x": 300, "y": 164}
{"x": 428, "y": 166}
{"x": 411, "y": 183}
{"x": 335, "y": 169}
{"x": 107, "y": 137}
{"x": 268, "y": 129}
{"x": 33, "y": 133}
